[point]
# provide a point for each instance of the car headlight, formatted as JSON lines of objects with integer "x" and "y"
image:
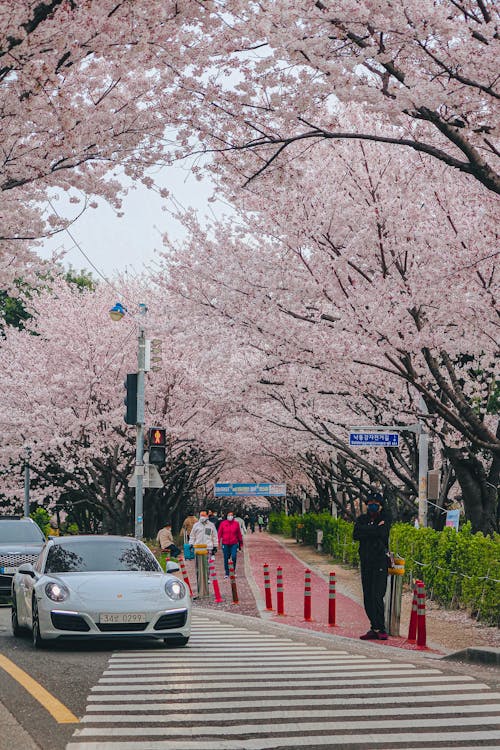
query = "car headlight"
{"x": 175, "y": 589}
{"x": 56, "y": 591}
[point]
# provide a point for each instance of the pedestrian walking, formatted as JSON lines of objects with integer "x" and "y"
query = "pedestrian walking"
{"x": 371, "y": 530}
{"x": 260, "y": 521}
{"x": 204, "y": 532}
{"x": 166, "y": 540}
{"x": 252, "y": 519}
{"x": 242, "y": 525}
{"x": 214, "y": 518}
{"x": 231, "y": 539}
{"x": 188, "y": 524}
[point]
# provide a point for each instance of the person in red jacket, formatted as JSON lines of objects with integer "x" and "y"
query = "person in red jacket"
{"x": 231, "y": 540}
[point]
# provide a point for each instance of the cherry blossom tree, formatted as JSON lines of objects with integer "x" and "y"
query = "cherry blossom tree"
{"x": 63, "y": 380}
{"x": 362, "y": 298}
{"x": 277, "y": 73}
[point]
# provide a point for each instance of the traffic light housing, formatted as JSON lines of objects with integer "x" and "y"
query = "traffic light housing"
{"x": 130, "y": 399}
{"x": 157, "y": 441}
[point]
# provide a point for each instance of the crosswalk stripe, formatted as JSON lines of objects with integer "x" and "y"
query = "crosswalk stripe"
{"x": 235, "y": 689}
{"x": 235, "y": 680}
{"x": 269, "y": 703}
{"x": 432, "y": 692}
{"x": 363, "y": 740}
{"x": 302, "y": 727}
{"x": 307, "y": 714}
{"x": 305, "y": 685}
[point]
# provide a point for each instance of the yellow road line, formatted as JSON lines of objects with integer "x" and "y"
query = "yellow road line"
{"x": 59, "y": 711}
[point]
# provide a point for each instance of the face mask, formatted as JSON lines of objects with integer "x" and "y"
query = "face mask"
{"x": 203, "y": 519}
{"x": 372, "y": 507}
{"x": 230, "y": 518}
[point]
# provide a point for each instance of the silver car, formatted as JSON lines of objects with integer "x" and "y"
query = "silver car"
{"x": 99, "y": 587}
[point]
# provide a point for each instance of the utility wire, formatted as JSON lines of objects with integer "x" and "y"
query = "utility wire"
{"x": 91, "y": 263}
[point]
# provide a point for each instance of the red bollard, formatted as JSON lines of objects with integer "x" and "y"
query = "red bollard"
{"x": 215, "y": 582}
{"x": 421, "y": 628}
{"x": 307, "y": 596}
{"x": 267, "y": 587}
{"x": 234, "y": 589}
{"x": 185, "y": 576}
{"x": 332, "y": 601}
{"x": 280, "y": 600}
{"x": 412, "y": 630}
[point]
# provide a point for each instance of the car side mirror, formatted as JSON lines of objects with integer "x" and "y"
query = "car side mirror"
{"x": 27, "y": 570}
{"x": 171, "y": 567}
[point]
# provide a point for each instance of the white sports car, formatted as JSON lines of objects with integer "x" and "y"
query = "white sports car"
{"x": 99, "y": 587}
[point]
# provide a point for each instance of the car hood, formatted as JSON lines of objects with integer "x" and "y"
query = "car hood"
{"x": 20, "y": 548}
{"x": 117, "y": 588}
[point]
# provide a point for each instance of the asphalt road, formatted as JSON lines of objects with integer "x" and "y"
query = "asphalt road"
{"x": 67, "y": 671}
{"x": 244, "y": 684}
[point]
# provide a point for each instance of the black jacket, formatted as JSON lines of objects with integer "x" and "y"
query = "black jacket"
{"x": 373, "y": 539}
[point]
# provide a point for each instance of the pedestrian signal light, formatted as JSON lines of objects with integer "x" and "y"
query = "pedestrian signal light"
{"x": 130, "y": 399}
{"x": 157, "y": 442}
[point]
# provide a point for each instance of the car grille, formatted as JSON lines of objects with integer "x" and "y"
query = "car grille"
{"x": 66, "y": 621}
{"x": 171, "y": 620}
{"x": 121, "y": 627}
{"x": 15, "y": 559}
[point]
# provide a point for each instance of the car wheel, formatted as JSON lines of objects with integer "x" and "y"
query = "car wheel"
{"x": 17, "y": 630}
{"x": 179, "y": 641}
{"x": 38, "y": 641}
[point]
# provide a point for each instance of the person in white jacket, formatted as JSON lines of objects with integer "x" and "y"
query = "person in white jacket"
{"x": 204, "y": 532}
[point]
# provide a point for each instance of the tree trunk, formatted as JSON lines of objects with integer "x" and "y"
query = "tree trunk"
{"x": 479, "y": 489}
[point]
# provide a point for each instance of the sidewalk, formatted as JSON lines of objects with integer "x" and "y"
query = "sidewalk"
{"x": 260, "y": 548}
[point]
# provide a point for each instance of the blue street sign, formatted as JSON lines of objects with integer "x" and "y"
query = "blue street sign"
{"x": 374, "y": 439}
{"x": 231, "y": 489}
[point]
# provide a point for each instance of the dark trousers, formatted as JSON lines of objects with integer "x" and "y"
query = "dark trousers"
{"x": 230, "y": 551}
{"x": 374, "y": 582}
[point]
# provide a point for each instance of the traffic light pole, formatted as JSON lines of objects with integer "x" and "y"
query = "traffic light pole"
{"x": 139, "y": 447}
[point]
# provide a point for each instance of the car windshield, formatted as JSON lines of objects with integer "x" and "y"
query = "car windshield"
{"x": 99, "y": 555}
{"x": 15, "y": 532}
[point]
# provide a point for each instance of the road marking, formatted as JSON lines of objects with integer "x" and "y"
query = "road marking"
{"x": 362, "y": 740}
{"x": 51, "y": 704}
{"x": 306, "y": 684}
{"x": 301, "y": 702}
{"x": 370, "y": 695}
{"x": 280, "y": 695}
{"x": 305, "y": 715}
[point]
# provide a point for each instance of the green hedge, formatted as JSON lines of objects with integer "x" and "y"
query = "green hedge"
{"x": 459, "y": 569}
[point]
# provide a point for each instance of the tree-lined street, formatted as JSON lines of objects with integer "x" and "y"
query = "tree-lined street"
{"x": 322, "y": 318}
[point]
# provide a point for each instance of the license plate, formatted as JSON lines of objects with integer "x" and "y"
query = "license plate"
{"x": 121, "y": 617}
{"x": 8, "y": 570}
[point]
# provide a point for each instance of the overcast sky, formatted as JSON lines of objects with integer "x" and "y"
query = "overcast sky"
{"x": 116, "y": 244}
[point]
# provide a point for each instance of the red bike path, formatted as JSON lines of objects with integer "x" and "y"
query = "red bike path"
{"x": 351, "y": 619}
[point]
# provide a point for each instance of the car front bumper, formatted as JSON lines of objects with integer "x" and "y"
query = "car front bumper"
{"x": 161, "y": 624}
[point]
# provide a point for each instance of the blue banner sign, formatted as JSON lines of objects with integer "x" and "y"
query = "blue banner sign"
{"x": 374, "y": 439}
{"x": 453, "y": 518}
{"x": 229, "y": 489}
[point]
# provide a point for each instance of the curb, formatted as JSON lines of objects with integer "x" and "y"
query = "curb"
{"x": 477, "y": 655}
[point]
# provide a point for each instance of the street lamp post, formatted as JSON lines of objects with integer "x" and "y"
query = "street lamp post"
{"x": 116, "y": 313}
{"x": 423, "y": 466}
{"x": 139, "y": 445}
